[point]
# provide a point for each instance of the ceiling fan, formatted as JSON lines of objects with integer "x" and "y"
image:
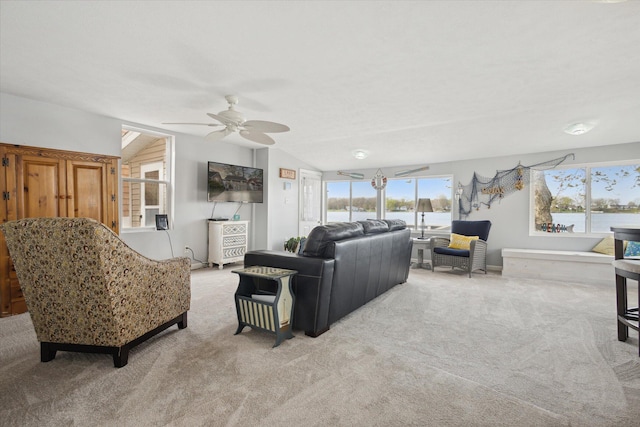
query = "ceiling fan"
{"x": 233, "y": 121}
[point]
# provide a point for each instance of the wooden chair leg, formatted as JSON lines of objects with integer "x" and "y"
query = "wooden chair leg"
{"x": 121, "y": 356}
{"x": 47, "y": 352}
{"x": 621, "y": 305}
{"x": 183, "y": 323}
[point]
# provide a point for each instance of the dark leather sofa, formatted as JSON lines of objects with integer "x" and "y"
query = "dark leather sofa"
{"x": 343, "y": 266}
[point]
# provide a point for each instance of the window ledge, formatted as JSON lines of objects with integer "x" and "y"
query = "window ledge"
{"x": 138, "y": 230}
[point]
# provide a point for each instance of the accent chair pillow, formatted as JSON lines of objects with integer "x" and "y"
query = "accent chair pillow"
{"x": 633, "y": 249}
{"x": 458, "y": 241}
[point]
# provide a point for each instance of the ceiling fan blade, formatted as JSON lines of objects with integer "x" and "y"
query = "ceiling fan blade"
{"x": 219, "y": 118}
{"x": 258, "y": 137}
{"x": 217, "y": 135}
{"x": 202, "y": 124}
{"x": 264, "y": 126}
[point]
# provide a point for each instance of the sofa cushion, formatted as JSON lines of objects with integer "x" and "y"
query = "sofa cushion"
{"x": 322, "y": 235}
{"x": 372, "y": 226}
{"x": 444, "y": 250}
{"x": 472, "y": 228}
{"x": 395, "y": 224}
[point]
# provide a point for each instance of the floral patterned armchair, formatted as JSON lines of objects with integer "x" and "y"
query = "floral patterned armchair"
{"x": 87, "y": 291}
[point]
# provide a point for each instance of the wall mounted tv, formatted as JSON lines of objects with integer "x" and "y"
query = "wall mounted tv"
{"x": 231, "y": 183}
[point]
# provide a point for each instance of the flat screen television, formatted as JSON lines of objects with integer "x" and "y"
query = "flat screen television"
{"x": 232, "y": 183}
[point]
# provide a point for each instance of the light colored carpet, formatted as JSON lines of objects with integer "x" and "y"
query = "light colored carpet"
{"x": 440, "y": 350}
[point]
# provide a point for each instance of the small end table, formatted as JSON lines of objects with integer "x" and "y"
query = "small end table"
{"x": 422, "y": 245}
{"x": 258, "y": 307}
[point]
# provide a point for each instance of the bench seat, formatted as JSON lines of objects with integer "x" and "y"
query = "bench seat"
{"x": 567, "y": 266}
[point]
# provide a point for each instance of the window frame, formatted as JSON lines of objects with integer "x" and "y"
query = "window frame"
{"x": 168, "y": 181}
{"x": 381, "y": 199}
{"x": 587, "y": 167}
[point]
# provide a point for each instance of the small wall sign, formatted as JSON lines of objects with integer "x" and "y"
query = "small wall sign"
{"x": 287, "y": 173}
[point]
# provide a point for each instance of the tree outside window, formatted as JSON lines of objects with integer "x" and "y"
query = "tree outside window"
{"x": 586, "y": 199}
{"x": 350, "y": 201}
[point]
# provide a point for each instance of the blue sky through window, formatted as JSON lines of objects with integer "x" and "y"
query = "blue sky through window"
{"x": 612, "y": 182}
{"x": 398, "y": 188}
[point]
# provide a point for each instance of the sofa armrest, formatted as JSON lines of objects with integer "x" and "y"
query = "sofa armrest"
{"x": 148, "y": 293}
{"x": 171, "y": 280}
{"x": 311, "y": 286}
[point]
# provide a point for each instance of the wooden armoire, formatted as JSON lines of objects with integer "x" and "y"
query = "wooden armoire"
{"x": 40, "y": 182}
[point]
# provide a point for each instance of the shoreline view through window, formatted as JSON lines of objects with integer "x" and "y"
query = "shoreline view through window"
{"x": 356, "y": 200}
{"x": 585, "y": 199}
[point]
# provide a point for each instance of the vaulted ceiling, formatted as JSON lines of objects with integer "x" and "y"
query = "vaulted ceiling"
{"x": 411, "y": 82}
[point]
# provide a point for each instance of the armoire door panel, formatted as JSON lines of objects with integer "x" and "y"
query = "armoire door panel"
{"x": 43, "y": 187}
{"x": 8, "y": 186}
{"x": 86, "y": 184}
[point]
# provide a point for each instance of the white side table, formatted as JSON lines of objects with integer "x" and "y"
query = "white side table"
{"x": 422, "y": 246}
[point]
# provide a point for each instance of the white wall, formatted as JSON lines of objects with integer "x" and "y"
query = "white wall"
{"x": 33, "y": 123}
{"x": 279, "y": 217}
{"x": 28, "y": 122}
{"x": 510, "y": 216}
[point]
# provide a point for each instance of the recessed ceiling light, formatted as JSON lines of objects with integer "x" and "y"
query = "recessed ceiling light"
{"x": 360, "y": 154}
{"x": 578, "y": 128}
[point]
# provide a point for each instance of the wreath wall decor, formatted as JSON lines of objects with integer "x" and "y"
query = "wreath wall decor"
{"x": 485, "y": 191}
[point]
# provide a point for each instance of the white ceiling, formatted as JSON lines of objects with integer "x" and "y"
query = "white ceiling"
{"x": 412, "y": 82}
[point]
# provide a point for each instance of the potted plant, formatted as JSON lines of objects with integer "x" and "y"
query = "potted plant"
{"x": 293, "y": 244}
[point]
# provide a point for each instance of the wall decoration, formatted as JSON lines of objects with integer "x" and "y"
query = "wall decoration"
{"x": 484, "y": 191}
{"x": 287, "y": 173}
{"x": 554, "y": 228}
{"x": 379, "y": 181}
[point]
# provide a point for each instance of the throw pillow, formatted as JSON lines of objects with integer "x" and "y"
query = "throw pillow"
{"x": 633, "y": 250}
{"x": 458, "y": 241}
{"x": 605, "y": 246}
{"x": 303, "y": 240}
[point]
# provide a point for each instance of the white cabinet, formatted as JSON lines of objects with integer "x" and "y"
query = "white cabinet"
{"x": 227, "y": 241}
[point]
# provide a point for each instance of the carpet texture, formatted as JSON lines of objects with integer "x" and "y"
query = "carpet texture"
{"x": 439, "y": 350}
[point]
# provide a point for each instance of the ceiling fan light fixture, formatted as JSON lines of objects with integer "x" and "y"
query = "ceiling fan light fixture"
{"x": 578, "y": 128}
{"x": 233, "y": 121}
{"x": 360, "y": 154}
{"x": 233, "y": 116}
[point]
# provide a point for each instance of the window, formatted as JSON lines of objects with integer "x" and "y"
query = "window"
{"x": 401, "y": 198}
{"x": 586, "y": 199}
{"x": 439, "y": 191}
{"x": 146, "y": 178}
{"x": 357, "y": 200}
{"x": 363, "y": 201}
{"x": 350, "y": 201}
